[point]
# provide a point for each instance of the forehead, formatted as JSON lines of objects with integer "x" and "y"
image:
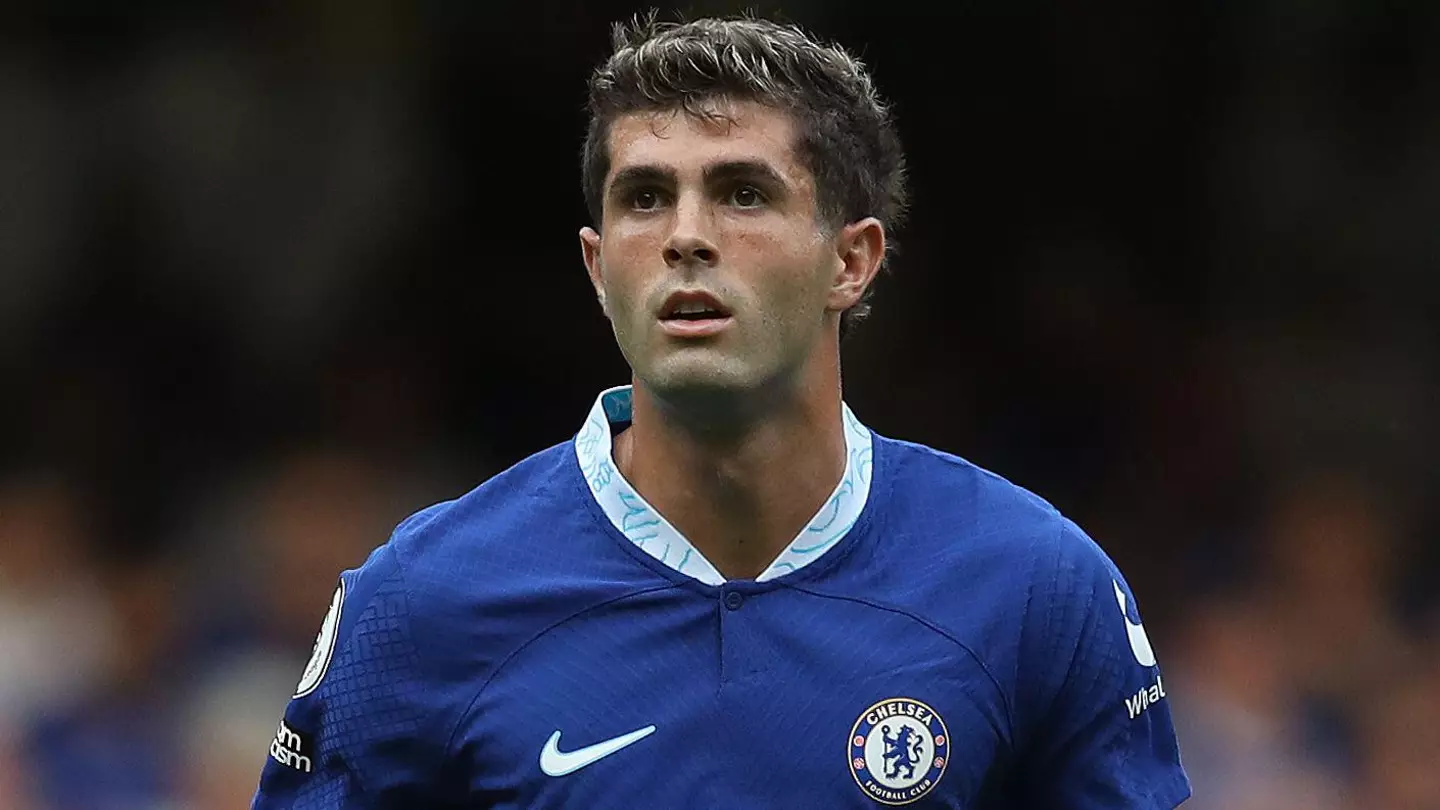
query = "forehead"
{"x": 672, "y": 139}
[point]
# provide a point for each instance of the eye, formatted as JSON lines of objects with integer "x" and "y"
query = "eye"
{"x": 646, "y": 199}
{"x": 747, "y": 197}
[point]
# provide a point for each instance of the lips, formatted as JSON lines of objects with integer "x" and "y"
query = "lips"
{"x": 694, "y": 314}
{"x": 695, "y": 305}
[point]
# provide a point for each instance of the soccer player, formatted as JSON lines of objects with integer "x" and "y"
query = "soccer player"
{"x": 724, "y": 590}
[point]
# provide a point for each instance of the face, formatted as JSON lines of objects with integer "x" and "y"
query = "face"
{"x": 713, "y": 264}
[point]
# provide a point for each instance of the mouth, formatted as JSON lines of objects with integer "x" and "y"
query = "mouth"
{"x": 694, "y": 314}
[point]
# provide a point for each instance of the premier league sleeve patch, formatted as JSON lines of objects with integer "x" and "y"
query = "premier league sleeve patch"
{"x": 898, "y": 750}
{"x": 324, "y": 648}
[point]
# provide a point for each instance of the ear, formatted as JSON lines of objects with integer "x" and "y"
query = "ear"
{"x": 860, "y": 250}
{"x": 590, "y": 252}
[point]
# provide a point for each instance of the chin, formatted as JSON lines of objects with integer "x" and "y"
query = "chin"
{"x": 678, "y": 378}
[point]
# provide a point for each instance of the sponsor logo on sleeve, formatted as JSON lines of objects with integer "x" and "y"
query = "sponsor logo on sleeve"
{"x": 324, "y": 648}
{"x": 292, "y": 749}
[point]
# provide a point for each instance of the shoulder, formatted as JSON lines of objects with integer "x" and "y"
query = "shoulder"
{"x": 481, "y": 574}
{"x": 415, "y": 631}
{"x": 497, "y": 532}
{"x": 443, "y": 565}
{"x": 953, "y": 508}
{"x": 985, "y": 558}
{"x": 1003, "y": 565}
{"x": 525, "y": 493}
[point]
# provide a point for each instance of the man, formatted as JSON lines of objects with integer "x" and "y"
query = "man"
{"x": 725, "y": 591}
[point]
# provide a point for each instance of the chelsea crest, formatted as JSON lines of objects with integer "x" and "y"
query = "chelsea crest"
{"x": 898, "y": 750}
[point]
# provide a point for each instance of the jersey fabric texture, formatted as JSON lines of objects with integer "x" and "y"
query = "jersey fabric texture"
{"x": 935, "y": 637}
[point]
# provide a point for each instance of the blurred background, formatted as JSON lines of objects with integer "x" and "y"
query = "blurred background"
{"x": 274, "y": 275}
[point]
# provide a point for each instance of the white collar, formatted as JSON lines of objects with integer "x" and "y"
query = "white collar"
{"x": 650, "y": 531}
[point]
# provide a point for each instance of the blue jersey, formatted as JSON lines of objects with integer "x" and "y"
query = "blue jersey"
{"x": 935, "y": 637}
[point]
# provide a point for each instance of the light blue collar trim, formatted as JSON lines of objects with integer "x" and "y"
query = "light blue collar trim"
{"x": 648, "y": 529}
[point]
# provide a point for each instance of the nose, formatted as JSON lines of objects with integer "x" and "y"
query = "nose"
{"x": 689, "y": 250}
{"x": 690, "y": 242}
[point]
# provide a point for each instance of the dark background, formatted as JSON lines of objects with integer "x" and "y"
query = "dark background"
{"x": 275, "y": 274}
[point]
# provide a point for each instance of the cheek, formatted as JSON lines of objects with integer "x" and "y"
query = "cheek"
{"x": 801, "y": 281}
{"x": 791, "y": 303}
{"x": 622, "y": 274}
{"x": 618, "y": 260}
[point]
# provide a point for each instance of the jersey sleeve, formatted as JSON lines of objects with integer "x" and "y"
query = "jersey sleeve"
{"x": 362, "y": 729}
{"x": 1098, "y": 730}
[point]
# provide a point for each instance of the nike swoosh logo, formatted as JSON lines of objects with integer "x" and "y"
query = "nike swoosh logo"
{"x": 555, "y": 762}
{"x": 1139, "y": 642}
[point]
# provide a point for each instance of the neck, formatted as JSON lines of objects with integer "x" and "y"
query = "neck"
{"x": 740, "y": 493}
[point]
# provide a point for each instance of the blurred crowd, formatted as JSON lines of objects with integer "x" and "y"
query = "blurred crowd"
{"x": 264, "y": 291}
{"x": 155, "y": 680}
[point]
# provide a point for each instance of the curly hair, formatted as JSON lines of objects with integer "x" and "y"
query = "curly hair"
{"x": 845, "y": 131}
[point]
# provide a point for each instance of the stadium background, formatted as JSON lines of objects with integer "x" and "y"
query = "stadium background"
{"x": 275, "y": 274}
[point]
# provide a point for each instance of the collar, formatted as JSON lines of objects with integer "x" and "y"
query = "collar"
{"x": 651, "y": 532}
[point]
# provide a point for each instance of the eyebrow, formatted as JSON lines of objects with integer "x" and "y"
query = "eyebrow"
{"x": 642, "y": 175}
